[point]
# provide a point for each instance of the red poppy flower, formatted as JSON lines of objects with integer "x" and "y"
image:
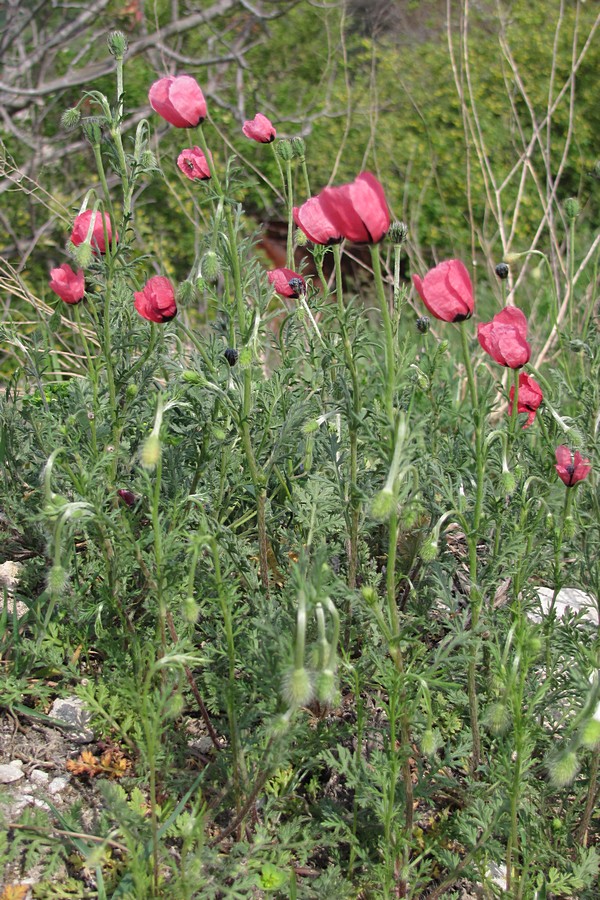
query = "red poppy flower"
{"x": 529, "y": 399}
{"x": 504, "y": 338}
{"x": 81, "y": 226}
{"x": 571, "y": 467}
{"x": 127, "y": 497}
{"x": 281, "y": 278}
{"x": 194, "y": 164}
{"x": 447, "y": 291}
{"x": 179, "y": 100}
{"x": 316, "y": 225}
{"x": 259, "y": 129}
{"x": 69, "y": 285}
{"x": 157, "y": 301}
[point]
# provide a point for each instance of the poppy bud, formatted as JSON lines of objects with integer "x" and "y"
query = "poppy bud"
{"x": 536, "y": 273}
{"x": 231, "y": 356}
{"x": 70, "y": 118}
{"x": 299, "y": 148}
{"x": 151, "y": 451}
{"x": 497, "y": 718}
{"x": 127, "y": 497}
{"x": 285, "y": 150}
{"x": 326, "y": 687}
{"x": 398, "y": 232}
{"x": 502, "y": 271}
{"x": 186, "y": 293}
{"x": 148, "y": 161}
{"x": 310, "y": 427}
{"x": 382, "y": 505}
{"x": 563, "y": 768}
{"x": 211, "y": 267}
{"x": 191, "y": 610}
{"x": 423, "y": 324}
{"x": 508, "y": 482}
{"x": 245, "y": 357}
{"x": 83, "y": 254}
{"x": 429, "y": 550}
{"x": 117, "y": 44}
{"x": 175, "y": 707}
{"x": 297, "y": 687}
{"x": 590, "y": 733}
{"x": 92, "y": 131}
{"x": 369, "y": 595}
{"x": 430, "y": 742}
{"x": 57, "y": 580}
{"x": 572, "y": 208}
{"x": 192, "y": 377}
{"x": 131, "y": 391}
{"x": 300, "y": 238}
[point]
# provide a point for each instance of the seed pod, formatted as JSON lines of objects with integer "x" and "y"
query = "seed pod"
{"x": 231, "y": 355}
{"x": 502, "y": 271}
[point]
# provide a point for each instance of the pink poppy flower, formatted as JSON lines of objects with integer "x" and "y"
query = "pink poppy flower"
{"x": 259, "y": 129}
{"x": 357, "y": 212}
{"x": 504, "y": 338}
{"x": 179, "y": 100}
{"x": 571, "y": 467}
{"x": 81, "y": 226}
{"x": 316, "y": 225}
{"x": 194, "y": 164}
{"x": 69, "y": 285}
{"x": 529, "y": 399}
{"x": 281, "y": 278}
{"x": 156, "y": 302}
{"x": 447, "y": 291}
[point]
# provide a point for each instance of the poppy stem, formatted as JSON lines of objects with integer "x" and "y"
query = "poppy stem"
{"x": 290, "y": 213}
{"x": 515, "y": 405}
{"x": 388, "y": 334}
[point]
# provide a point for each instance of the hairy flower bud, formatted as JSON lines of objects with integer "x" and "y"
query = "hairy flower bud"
{"x": 369, "y": 595}
{"x": 148, "y": 160}
{"x": 191, "y": 610}
{"x": 70, "y": 118}
{"x": 300, "y": 238}
{"x": 245, "y": 357}
{"x": 326, "y": 687}
{"x": 151, "y": 451}
{"x": 429, "y": 550}
{"x": 299, "y": 148}
{"x": 382, "y": 505}
{"x": 431, "y": 741}
{"x": 186, "y": 293}
{"x": 211, "y": 267}
{"x": 572, "y": 208}
{"x": 590, "y": 733}
{"x": 398, "y": 232}
{"x": 285, "y": 150}
{"x": 569, "y": 527}
{"x": 497, "y": 717}
{"x": 83, "y": 254}
{"x": 563, "y": 768}
{"x": 92, "y": 131}
{"x": 57, "y": 580}
{"x": 117, "y": 44}
{"x": 508, "y": 482}
{"x": 297, "y": 687}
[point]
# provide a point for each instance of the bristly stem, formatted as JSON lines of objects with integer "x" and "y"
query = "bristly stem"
{"x": 290, "y": 213}
{"x": 388, "y": 335}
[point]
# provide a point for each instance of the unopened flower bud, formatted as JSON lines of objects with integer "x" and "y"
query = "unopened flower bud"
{"x": 423, "y": 323}
{"x": 83, "y": 254}
{"x": 117, "y": 44}
{"x": 297, "y": 687}
{"x": 300, "y": 238}
{"x": 245, "y": 357}
{"x": 219, "y": 434}
{"x": 511, "y": 258}
{"x": 191, "y": 610}
{"x": 128, "y": 497}
{"x": 175, "y": 706}
{"x": 326, "y": 687}
{"x": 590, "y": 733}
{"x": 299, "y": 148}
{"x": 431, "y": 741}
{"x": 148, "y": 160}
{"x": 563, "y": 768}
{"x": 429, "y": 550}
{"x": 57, "y": 580}
{"x": 310, "y": 427}
{"x": 131, "y": 391}
{"x": 285, "y": 150}
{"x": 151, "y": 451}
{"x": 382, "y": 505}
{"x": 369, "y": 595}
{"x": 572, "y": 208}
{"x": 192, "y": 377}
{"x": 200, "y": 285}
{"x": 508, "y": 482}
{"x": 443, "y": 346}
{"x": 231, "y": 355}
{"x": 423, "y": 381}
{"x": 92, "y": 131}
{"x": 502, "y": 270}
{"x": 398, "y": 232}
{"x": 497, "y": 717}
{"x": 70, "y": 118}
{"x": 536, "y": 273}
{"x": 186, "y": 293}
{"x": 211, "y": 267}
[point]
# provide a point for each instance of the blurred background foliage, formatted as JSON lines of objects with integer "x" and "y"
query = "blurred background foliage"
{"x": 367, "y": 83}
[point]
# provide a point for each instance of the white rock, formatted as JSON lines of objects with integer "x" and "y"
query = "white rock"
{"x": 16, "y": 762}
{"x": 40, "y": 803}
{"x": 567, "y": 599}
{"x": 10, "y": 773}
{"x": 70, "y": 711}
{"x": 39, "y": 777}
{"x": 58, "y": 784}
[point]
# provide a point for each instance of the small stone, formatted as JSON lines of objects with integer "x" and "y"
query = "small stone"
{"x": 16, "y": 762}
{"x": 41, "y": 804}
{"x": 58, "y": 784}
{"x": 569, "y": 598}
{"x": 39, "y": 778}
{"x": 70, "y": 711}
{"x": 10, "y": 773}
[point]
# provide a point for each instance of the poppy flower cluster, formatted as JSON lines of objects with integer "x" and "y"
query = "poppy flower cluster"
{"x": 356, "y": 212}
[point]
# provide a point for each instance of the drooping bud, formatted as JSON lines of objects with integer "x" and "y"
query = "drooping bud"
{"x": 191, "y": 610}
{"x": 186, "y": 293}
{"x": 192, "y": 377}
{"x": 300, "y": 238}
{"x": 70, "y": 118}
{"x": 326, "y": 687}
{"x": 563, "y": 768}
{"x": 92, "y": 131}
{"x": 382, "y": 505}
{"x": 297, "y": 687}
{"x": 117, "y": 44}
{"x": 502, "y": 271}
{"x": 211, "y": 267}
{"x": 431, "y": 741}
{"x": 572, "y": 208}
{"x": 590, "y": 733}
{"x": 82, "y": 254}
{"x": 148, "y": 161}
{"x": 285, "y": 150}
{"x": 497, "y": 717}
{"x": 398, "y": 233}
{"x": 429, "y": 550}
{"x": 508, "y": 482}
{"x": 57, "y": 580}
{"x": 151, "y": 451}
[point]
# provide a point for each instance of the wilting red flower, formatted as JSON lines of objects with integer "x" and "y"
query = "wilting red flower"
{"x": 81, "y": 226}
{"x": 179, "y": 100}
{"x": 447, "y": 291}
{"x": 281, "y": 278}
{"x": 529, "y": 399}
{"x": 316, "y": 225}
{"x": 504, "y": 338}
{"x": 194, "y": 164}
{"x": 127, "y": 497}
{"x": 69, "y": 286}
{"x": 259, "y": 129}
{"x": 357, "y": 211}
{"x": 157, "y": 301}
{"x": 571, "y": 467}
